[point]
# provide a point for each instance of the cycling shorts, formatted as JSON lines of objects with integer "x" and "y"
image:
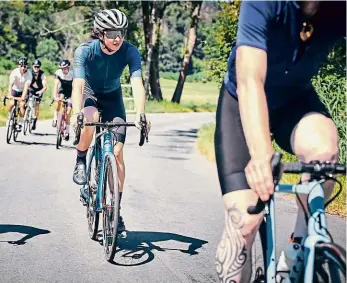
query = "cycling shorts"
{"x": 110, "y": 105}
{"x": 32, "y": 91}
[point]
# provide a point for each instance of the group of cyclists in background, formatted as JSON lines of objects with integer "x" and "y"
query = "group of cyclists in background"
{"x": 25, "y": 83}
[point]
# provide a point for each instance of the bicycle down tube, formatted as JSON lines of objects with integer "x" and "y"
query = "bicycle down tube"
{"x": 316, "y": 231}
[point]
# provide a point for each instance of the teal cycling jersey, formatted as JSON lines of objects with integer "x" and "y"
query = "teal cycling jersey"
{"x": 101, "y": 71}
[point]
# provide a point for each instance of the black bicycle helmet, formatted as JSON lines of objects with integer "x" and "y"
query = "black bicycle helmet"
{"x": 64, "y": 64}
{"x": 37, "y": 62}
{"x": 23, "y": 61}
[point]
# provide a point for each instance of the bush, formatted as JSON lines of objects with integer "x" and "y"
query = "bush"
{"x": 6, "y": 66}
{"x": 48, "y": 66}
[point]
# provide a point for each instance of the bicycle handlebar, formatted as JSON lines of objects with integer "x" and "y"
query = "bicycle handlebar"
{"x": 64, "y": 100}
{"x": 314, "y": 167}
{"x": 11, "y": 97}
{"x": 143, "y": 123}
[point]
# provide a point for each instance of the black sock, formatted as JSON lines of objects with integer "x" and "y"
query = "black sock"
{"x": 120, "y": 198}
{"x": 82, "y": 156}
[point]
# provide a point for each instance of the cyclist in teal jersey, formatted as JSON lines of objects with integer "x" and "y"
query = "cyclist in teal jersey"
{"x": 98, "y": 66}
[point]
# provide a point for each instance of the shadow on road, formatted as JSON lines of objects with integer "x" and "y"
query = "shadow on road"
{"x": 191, "y": 133}
{"x": 137, "y": 247}
{"x": 45, "y": 144}
{"x": 29, "y": 232}
{"x": 43, "y": 134}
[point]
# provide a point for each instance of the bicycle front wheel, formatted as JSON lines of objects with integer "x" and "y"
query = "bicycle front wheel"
{"x": 110, "y": 211}
{"x": 10, "y": 127}
{"x": 92, "y": 183}
{"x": 330, "y": 264}
{"x": 59, "y": 133}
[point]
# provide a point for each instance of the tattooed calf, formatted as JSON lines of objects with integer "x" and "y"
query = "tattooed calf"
{"x": 231, "y": 253}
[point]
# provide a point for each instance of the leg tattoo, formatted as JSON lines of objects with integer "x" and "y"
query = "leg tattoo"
{"x": 231, "y": 252}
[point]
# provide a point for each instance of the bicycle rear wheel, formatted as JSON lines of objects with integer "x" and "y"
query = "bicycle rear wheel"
{"x": 59, "y": 133}
{"x": 15, "y": 132}
{"x": 330, "y": 264}
{"x": 110, "y": 212}
{"x": 27, "y": 118}
{"x": 92, "y": 183}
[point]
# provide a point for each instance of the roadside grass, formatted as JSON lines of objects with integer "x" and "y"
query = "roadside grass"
{"x": 196, "y": 97}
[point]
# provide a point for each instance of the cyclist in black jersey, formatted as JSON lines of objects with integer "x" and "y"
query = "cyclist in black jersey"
{"x": 37, "y": 87}
{"x": 62, "y": 89}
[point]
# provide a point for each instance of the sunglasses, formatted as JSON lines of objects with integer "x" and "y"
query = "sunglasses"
{"x": 113, "y": 34}
{"x": 36, "y": 66}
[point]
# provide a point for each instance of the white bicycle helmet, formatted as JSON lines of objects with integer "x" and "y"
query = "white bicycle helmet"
{"x": 110, "y": 19}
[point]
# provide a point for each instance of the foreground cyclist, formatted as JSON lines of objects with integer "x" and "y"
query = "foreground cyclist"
{"x": 37, "y": 87}
{"x": 279, "y": 47}
{"x": 20, "y": 80}
{"x": 98, "y": 66}
{"x": 62, "y": 88}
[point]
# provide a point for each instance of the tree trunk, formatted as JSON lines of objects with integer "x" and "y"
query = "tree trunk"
{"x": 148, "y": 16}
{"x": 154, "y": 70}
{"x": 190, "y": 44}
{"x": 153, "y": 13}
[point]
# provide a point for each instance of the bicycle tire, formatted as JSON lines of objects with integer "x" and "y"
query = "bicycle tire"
{"x": 59, "y": 134}
{"x": 31, "y": 121}
{"x": 110, "y": 211}
{"x": 335, "y": 256}
{"x": 15, "y": 132}
{"x": 27, "y": 118}
{"x": 92, "y": 215}
{"x": 10, "y": 127}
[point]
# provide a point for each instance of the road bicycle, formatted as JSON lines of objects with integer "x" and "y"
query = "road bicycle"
{"x": 61, "y": 123}
{"x": 12, "y": 121}
{"x": 100, "y": 194}
{"x": 318, "y": 248}
{"x": 28, "y": 116}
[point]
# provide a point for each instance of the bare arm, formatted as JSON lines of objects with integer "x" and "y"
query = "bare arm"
{"x": 251, "y": 66}
{"x": 26, "y": 89}
{"x": 44, "y": 84}
{"x": 55, "y": 88}
{"x": 10, "y": 85}
{"x": 139, "y": 94}
{"x": 77, "y": 94}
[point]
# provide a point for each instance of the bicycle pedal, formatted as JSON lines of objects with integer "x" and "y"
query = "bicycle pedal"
{"x": 83, "y": 201}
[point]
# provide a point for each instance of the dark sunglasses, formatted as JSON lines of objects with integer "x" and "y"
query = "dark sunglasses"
{"x": 113, "y": 34}
{"x": 36, "y": 66}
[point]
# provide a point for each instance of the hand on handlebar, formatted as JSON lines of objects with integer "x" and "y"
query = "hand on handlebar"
{"x": 259, "y": 176}
{"x": 142, "y": 121}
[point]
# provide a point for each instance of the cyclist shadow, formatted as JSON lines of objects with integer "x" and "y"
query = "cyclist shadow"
{"x": 138, "y": 247}
{"x": 29, "y": 232}
{"x": 43, "y": 134}
{"x": 46, "y": 144}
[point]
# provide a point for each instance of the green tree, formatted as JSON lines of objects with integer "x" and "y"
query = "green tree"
{"x": 49, "y": 49}
{"x": 218, "y": 47}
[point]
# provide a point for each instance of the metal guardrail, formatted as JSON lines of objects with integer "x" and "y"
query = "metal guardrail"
{"x": 127, "y": 110}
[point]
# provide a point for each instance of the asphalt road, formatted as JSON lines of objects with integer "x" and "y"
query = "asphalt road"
{"x": 171, "y": 206}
